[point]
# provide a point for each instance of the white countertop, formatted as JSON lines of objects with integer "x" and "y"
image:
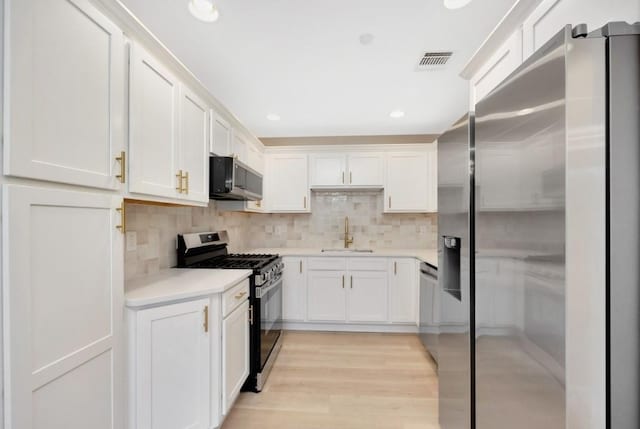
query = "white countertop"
{"x": 430, "y": 256}
{"x": 181, "y": 283}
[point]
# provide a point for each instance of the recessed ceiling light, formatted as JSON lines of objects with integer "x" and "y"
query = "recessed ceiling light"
{"x": 456, "y": 4}
{"x": 273, "y": 117}
{"x": 366, "y": 39}
{"x": 397, "y": 114}
{"x": 204, "y": 10}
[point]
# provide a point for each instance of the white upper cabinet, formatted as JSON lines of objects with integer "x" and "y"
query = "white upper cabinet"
{"x": 63, "y": 281}
{"x": 328, "y": 169}
{"x": 366, "y": 169}
{"x": 64, "y": 99}
{"x": 193, "y": 157}
{"x": 255, "y": 157}
{"x": 345, "y": 170}
{"x": 220, "y": 135}
{"x": 410, "y": 182}
{"x": 551, "y": 15}
{"x": 504, "y": 61}
{"x": 287, "y": 183}
{"x": 172, "y": 367}
{"x": 168, "y": 133}
{"x": 153, "y": 130}
{"x": 239, "y": 147}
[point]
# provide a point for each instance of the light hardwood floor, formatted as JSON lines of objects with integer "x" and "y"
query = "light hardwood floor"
{"x": 344, "y": 381}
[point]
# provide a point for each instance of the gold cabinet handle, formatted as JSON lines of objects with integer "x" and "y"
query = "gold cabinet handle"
{"x": 300, "y": 266}
{"x": 123, "y": 219}
{"x": 343, "y": 281}
{"x": 251, "y": 314}
{"x": 305, "y": 202}
{"x": 343, "y": 177}
{"x": 206, "y": 318}
{"x": 395, "y": 267}
{"x": 389, "y": 202}
{"x": 179, "y": 176}
{"x": 186, "y": 182}
{"x": 351, "y": 177}
{"x": 240, "y": 295}
{"x": 122, "y": 159}
{"x": 351, "y": 282}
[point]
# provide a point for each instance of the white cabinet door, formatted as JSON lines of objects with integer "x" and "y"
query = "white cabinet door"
{"x": 407, "y": 187}
{"x": 255, "y": 158}
{"x": 63, "y": 282}
{"x": 64, "y": 93}
{"x": 294, "y": 287}
{"x": 432, "y": 180}
{"x": 287, "y": 183}
{"x": 403, "y": 291}
{"x": 328, "y": 169}
{"x": 172, "y": 367}
{"x": 239, "y": 147}
{"x": 367, "y": 296}
{"x": 326, "y": 296}
{"x": 194, "y": 146}
{"x": 235, "y": 354}
{"x": 551, "y": 15}
{"x": 153, "y": 131}
{"x": 505, "y": 60}
{"x": 220, "y": 135}
{"x": 366, "y": 169}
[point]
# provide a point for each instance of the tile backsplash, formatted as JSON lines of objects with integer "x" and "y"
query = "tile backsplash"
{"x": 324, "y": 227}
{"x": 154, "y": 228}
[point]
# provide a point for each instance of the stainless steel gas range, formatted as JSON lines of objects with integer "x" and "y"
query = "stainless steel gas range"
{"x": 209, "y": 250}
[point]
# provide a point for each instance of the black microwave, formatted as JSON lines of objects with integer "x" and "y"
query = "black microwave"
{"x": 229, "y": 179}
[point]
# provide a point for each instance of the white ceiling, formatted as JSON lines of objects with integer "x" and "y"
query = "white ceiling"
{"x": 303, "y": 60}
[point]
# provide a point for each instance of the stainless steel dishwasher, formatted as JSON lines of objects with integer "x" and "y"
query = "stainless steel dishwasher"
{"x": 429, "y": 309}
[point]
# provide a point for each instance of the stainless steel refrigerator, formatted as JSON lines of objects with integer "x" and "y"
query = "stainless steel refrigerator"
{"x": 539, "y": 241}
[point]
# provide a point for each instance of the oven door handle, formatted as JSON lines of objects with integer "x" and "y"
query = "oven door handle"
{"x": 263, "y": 290}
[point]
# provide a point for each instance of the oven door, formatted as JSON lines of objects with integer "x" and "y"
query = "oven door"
{"x": 270, "y": 318}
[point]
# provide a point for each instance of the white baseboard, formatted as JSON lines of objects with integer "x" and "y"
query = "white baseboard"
{"x": 351, "y": 327}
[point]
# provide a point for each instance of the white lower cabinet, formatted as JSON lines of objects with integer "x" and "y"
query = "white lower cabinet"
{"x": 235, "y": 356}
{"x": 172, "y": 367}
{"x": 63, "y": 282}
{"x": 326, "y": 296}
{"x": 367, "y": 296}
{"x": 188, "y": 360}
{"x": 294, "y": 289}
{"x": 403, "y": 282}
{"x": 353, "y": 290}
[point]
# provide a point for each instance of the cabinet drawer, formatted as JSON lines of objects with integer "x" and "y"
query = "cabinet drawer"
{"x": 235, "y": 296}
{"x": 367, "y": 264}
{"x": 327, "y": 263}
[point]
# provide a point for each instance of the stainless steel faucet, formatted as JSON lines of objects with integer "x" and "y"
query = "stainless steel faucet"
{"x": 347, "y": 240}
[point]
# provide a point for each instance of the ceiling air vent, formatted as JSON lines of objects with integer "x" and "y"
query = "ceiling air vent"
{"x": 434, "y": 60}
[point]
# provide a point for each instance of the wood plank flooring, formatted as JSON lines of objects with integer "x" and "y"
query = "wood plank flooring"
{"x": 344, "y": 381}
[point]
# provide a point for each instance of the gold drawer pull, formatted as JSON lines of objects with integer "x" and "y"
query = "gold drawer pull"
{"x": 206, "y": 318}
{"x": 179, "y": 176}
{"x": 122, "y": 159}
{"x": 240, "y": 295}
{"x": 123, "y": 225}
{"x": 186, "y": 181}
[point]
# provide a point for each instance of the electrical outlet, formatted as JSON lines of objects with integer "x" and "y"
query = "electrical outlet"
{"x": 132, "y": 241}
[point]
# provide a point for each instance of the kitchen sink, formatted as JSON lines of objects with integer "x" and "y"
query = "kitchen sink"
{"x": 347, "y": 250}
